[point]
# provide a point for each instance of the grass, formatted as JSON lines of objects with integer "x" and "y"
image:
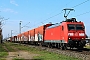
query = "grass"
{"x": 43, "y": 55}
{"x": 3, "y": 52}
{"x": 88, "y": 46}
{"x": 18, "y": 59}
{"x": 1, "y": 48}
{"x": 9, "y": 47}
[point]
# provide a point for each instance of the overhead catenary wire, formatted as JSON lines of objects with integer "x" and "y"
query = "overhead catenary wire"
{"x": 72, "y": 7}
{"x": 60, "y": 8}
{"x": 61, "y": 11}
{"x": 53, "y": 15}
{"x": 48, "y": 18}
{"x": 80, "y": 3}
{"x": 25, "y": 25}
{"x": 83, "y": 13}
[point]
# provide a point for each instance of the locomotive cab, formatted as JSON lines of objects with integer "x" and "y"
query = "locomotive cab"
{"x": 76, "y": 33}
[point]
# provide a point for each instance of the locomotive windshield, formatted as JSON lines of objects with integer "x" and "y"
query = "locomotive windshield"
{"x": 79, "y": 27}
{"x": 75, "y": 27}
{"x": 71, "y": 27}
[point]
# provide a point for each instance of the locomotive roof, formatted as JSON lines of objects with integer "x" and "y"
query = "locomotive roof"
{"x": 70, "y": 20}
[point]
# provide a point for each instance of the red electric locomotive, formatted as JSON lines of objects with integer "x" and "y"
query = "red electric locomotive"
{"x": 67, "y": 33}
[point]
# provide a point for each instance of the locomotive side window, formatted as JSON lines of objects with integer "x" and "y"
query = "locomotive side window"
{"x": 71, "y": 27}
{"x": 79, "y": 27}
{"x": 54, "y": 25}
{"x": 62, "y": 28}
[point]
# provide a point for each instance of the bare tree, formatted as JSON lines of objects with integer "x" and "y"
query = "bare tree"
{"x": 1, "y": 20}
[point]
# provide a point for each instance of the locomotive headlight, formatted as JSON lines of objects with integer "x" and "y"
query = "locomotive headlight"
{"x": 81, "y": 34}
{"x": 70, "y": 34}
{"x": 69, "y": 38}
{"x": 82, "y": 38}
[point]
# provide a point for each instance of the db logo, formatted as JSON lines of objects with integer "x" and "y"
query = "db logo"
{"x": 76, "y": 34}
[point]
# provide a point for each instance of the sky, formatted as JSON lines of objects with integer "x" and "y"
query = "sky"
{"x": 34, "y": 13}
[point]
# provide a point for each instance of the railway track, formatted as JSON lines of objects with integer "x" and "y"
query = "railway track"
{"x": 83, "y": 54}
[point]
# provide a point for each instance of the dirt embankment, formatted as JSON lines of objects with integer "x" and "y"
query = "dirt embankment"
{"x": 14, "y": 52}
{"x": 20, "y": 54}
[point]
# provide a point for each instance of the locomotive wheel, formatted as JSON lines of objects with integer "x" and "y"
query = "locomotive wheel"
{"x": 58, "y": 45}
{"x": 40, "y": 44}
{"x": 49, "y": 45}
{"x": 64, "y": 46}
{"x": 81, "y": 45}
